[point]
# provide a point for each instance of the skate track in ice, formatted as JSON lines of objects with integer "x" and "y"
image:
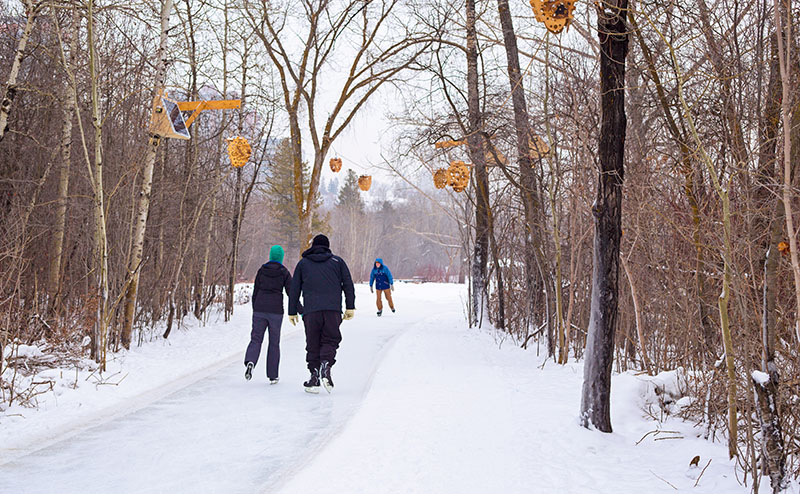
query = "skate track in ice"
{"x": 422, "y": 404}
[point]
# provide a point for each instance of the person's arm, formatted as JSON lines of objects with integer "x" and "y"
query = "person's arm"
{"x": 295, "y": 286}
{"x": 389, "y": 274}
{"x": 287, "y": 285}
{"x": 255, "y": 291}
{"x": 371, "y": 277}
{"x": 347, "y": 287}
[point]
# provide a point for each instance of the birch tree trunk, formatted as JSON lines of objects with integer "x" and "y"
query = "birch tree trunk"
{"x": 65, "y": 152}
{"x": 99, "y": 340}
{"x": 143, "y": 203}
{"x": 474, "y": 142}
{"x": 613, "y": 34}
{"x": 31, "y": 11}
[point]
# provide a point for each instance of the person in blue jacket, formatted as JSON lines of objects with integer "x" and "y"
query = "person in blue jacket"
{"x": 384, "y": 284}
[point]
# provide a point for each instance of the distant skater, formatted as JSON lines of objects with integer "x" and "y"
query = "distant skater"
{"x": 384, "y": 284}
{"x": 321, "y": 277}
{"x": 272, "y": 279}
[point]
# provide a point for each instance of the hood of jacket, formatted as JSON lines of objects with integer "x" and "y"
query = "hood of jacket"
{"x": 378, "y": 260}
{"x": 318, "y": 253}
{"x": 272, "y": 269}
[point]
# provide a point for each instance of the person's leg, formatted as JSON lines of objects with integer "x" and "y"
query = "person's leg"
{"x": 331, "y": 336}
{"x": 274, "y": 347}
{"x": 388, "y": 294}
{"x": 379, "y": 301}
{"x": 256, "y": 339}
{"x": 313, "y": 323}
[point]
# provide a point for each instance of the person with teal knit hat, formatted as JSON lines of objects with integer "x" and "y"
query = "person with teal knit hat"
{"x": 270, "y": 283}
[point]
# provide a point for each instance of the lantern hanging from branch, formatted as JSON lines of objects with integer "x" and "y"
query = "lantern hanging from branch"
{"x": 555, "y": 14}
{"x": 539, "y": 148}
{"x": 441, "y": 178}
{"x": 239, "y": 151}
{"x": 449, "y": 144}
{"x": 336, "y": 164}
{"x": 458, "y": 173}
{"x": 365, "y": 182}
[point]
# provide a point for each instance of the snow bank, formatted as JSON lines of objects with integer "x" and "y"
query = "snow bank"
{"x": 664, "y": 394}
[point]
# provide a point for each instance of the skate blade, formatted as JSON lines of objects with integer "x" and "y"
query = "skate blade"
{"x": 273, "y": 381}
{"x": 313, "y": 390}
{"x": 328, "y": 386}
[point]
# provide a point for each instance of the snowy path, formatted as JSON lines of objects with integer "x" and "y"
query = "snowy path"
{"x": 422, "y": 404}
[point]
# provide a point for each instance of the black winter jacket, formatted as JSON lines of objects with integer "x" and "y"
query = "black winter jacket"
{"x": 322, "y": 277}
{"x": 272, "y": 279}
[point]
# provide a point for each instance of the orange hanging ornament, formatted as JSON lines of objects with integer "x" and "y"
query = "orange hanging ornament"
{"x": 238, "y": 151}
{"x": 555, "y": 14}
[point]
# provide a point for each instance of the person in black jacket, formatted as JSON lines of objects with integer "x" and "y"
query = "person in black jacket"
{"x": 272, "y": 279}
{"x": 321, "y": 277}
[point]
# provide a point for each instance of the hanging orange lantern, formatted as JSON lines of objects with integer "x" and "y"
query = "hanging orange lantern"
{"x": 238, "y": 151}
{"x": 458, "y": 175}
{"x": 336, "y": 164}
{"x": 365, "y": 182}
{"x": 441, "y": 178}
{"x": 555, "y": 14}
{"x": 539, "y": 148}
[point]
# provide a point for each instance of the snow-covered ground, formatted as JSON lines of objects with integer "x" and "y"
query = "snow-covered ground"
{"x": 422, "y": 404}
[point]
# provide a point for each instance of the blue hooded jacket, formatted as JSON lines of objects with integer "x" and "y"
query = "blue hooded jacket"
{"x": 382, "y": 277}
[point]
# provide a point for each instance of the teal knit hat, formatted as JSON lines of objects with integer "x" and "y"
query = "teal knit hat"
{"x": 276, "y": 253}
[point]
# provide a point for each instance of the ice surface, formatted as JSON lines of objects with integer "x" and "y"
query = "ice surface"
{"x": 422, "y": 404}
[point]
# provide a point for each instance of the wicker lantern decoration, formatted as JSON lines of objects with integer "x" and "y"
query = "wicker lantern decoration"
{"x": 555, "y": 14}
{"x": 336, "y": 164}
{"x": 238, "y": 151}
{"x": 458, "y": 175}
{"x": 441, "y": 178}
{"x": 365, "y": 182}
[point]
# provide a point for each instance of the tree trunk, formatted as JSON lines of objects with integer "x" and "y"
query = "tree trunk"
{"x": 238, "y": 202}
{"x": 99, "y": 343}
{"x": 235, "y": 229}
{"x": 607, "y": 210}
{"x": 474, "y": 142}
{"x": 10, "y": 93}
{"x": 143, "y": 203}
{"x": 533, "y": 261}
{"x": 54, "y": 282}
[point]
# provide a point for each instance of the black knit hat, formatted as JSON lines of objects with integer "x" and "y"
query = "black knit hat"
{"x": 321, "y": 240}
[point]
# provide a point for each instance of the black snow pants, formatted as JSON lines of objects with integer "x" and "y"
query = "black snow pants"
{"x": 322, "y": 336}
{"x": 262, "y": 321}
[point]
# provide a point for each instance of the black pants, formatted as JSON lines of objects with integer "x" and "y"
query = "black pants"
{"x": 322, "y": 336}
{"x": 261, "y": 322}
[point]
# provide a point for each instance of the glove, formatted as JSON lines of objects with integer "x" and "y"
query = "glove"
{"x": 392, "y": 287}
{"x": 371, "y": 290}
{"x": 293, "y": 319}
{"x": 348, "y": 314}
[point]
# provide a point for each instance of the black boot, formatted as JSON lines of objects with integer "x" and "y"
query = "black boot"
{"x": 325, "y": 375}
{"x": 248, "y": 373}
{"x": 312, "y": 385}
{"x": 379, "y": 313}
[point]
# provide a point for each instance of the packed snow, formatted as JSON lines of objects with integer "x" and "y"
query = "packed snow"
{"x": 422, "y": 403}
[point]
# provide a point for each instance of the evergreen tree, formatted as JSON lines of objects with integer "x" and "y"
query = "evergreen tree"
{"x": 280, "y": 190}
{"x": 349, "y": 193}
